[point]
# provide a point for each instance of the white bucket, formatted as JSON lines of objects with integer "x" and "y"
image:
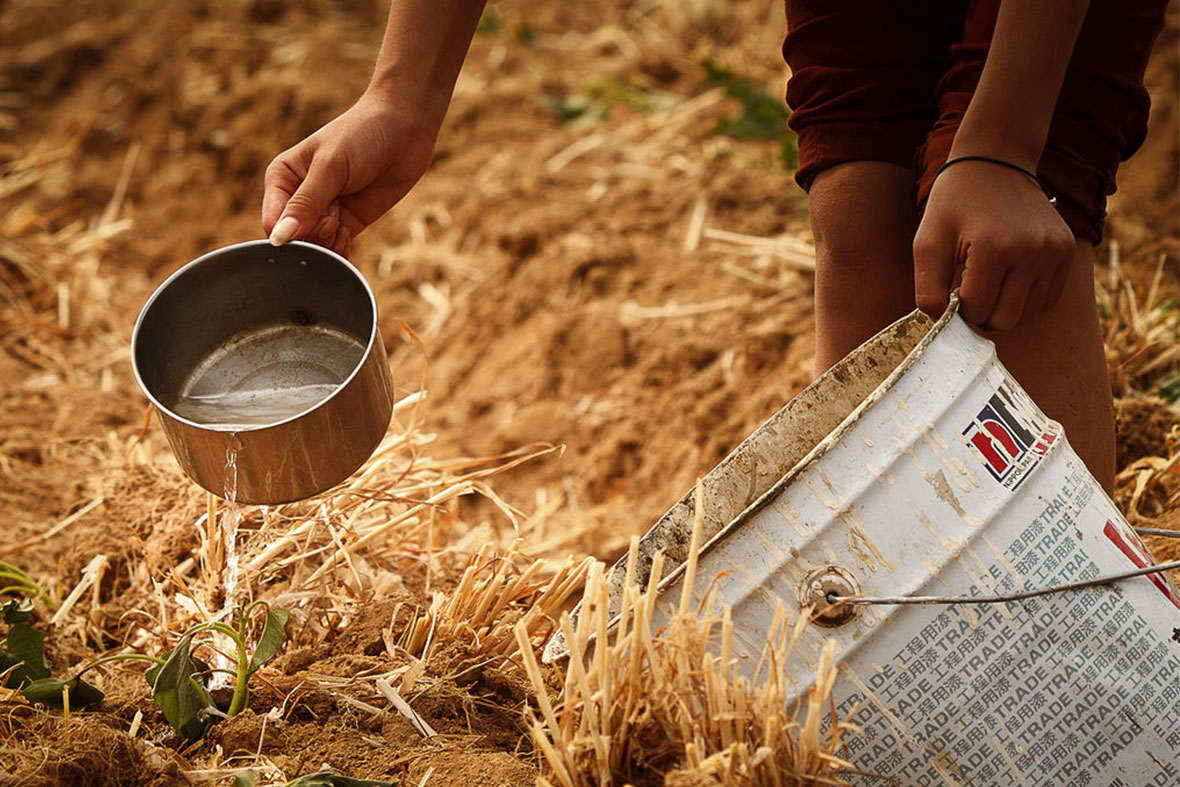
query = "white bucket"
{"x": 938, "y": 476}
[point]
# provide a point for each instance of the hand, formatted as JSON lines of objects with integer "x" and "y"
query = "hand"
{"x": 992, "y": 231}
{"x": 342, "y": 178}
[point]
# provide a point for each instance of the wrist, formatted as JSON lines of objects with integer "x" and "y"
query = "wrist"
{"x": 1023, "y": 149}
{"x": 999, "y": 162}
{"x": 417, "y": 99}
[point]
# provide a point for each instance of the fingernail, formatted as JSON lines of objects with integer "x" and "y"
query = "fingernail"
{"x": 284, "y": 231}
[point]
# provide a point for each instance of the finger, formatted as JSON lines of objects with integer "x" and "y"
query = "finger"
{"x": 359, "y": 210}
{"x": 282, "y": 178}
{"x": 324, "y": 182}
{"x": 324, "y": 233}
{"x": 983, "y": 279}
{"x": 934, "y": 266}
{"x": 350, "y": 216}
{"x": 1034, "y": 304}
{"x": 343, "y": 242}
{"x": 1013, "y": 296}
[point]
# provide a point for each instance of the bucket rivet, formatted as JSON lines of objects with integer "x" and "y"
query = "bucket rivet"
{"x": 820, "y": 589}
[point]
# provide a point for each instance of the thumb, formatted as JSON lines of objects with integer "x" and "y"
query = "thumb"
{"x": 303, "y": 211}
{"x": 934, "y": 267}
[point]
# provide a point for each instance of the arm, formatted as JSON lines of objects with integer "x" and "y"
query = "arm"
{"x": 992, "y": 223}
{"x": 343, "y": 177}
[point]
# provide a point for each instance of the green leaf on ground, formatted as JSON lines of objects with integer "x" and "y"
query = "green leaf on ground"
{"x": 48, "y": 691}
{"x": 762, "y": 116}
{"x": 274, "y": 635}
{"x": 24, "y": 646}
{"x": 598, "y": 96}
{"x": 178, "y": 692}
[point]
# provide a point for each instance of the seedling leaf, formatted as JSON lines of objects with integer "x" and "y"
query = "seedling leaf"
{"x": 245, "y": 779}
{"x": 15, "y": 613}
{"x": 7, "y": 662}
{"x": 329, "y": 779}
{"x": 182, "y": 698}
{"x": 48, "y": 691}
{"x": 24, "y": 644}
{"x": 274, "y": 634}
{"x": 201, "y": 671}
{"x": 763, "y": 116}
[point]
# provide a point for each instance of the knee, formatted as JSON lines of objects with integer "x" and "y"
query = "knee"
{"x": 863, "y": 216}
{"x": 864, "y": 264}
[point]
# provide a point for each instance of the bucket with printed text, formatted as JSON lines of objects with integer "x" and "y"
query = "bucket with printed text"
{"x": 919, "y": 467}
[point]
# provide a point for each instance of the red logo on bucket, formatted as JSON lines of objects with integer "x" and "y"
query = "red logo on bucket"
{"x": 1008, "y": 446}
{"x": 1130, "y": 545}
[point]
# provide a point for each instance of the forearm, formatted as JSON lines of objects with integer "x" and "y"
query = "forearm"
{"x": 423, "y": 49}
{"x": 1013, "y": 104}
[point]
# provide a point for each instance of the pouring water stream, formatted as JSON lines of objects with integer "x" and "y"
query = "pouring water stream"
{"x": 229, "y": 521}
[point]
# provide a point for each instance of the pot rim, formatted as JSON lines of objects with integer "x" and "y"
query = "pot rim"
{"x": 374, "y": 336}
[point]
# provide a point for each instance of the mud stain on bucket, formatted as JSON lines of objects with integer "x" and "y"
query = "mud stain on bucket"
{"x": 942, "y": 489}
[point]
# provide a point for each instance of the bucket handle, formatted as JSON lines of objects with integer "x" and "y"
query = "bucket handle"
{"x": 835, "y": 598}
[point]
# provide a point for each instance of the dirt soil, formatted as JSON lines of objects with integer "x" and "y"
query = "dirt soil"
{"x": 551, "y": 266}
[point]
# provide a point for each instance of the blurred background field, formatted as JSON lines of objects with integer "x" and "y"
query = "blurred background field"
{"x": 608, "y": 269}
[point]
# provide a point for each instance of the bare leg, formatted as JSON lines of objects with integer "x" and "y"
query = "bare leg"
{"x": 863, "y": 219}
{"x": 1060, "y": 360}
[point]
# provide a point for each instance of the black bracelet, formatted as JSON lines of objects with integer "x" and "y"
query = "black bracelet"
{"x": 1052, "y": 197}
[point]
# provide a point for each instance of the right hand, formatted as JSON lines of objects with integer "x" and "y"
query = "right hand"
{"x": 342, "y": 178}
{"x": 994, "y": 231}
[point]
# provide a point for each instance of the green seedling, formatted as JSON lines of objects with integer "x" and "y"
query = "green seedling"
{"x": 55, "y": 692}
{"x": 15, "y": 582}
{"x": 180, "y": 681}
{"x": 598, "y": 96}
{"x": 22, "y": 664}
{"x": 22, "y": 656}
{"x": 763, "y": 116}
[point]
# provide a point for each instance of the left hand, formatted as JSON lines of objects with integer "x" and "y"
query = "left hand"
{"x": 992, "y": 231}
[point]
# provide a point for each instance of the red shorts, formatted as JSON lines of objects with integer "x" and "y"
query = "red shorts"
{"x": 889, "y": 80}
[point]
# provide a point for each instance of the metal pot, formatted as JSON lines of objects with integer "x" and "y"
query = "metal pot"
{"x": 266, "y": 370}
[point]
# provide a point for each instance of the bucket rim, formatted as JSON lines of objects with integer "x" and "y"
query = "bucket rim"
{"x": 824, "y": 445}
{"x": 374, "y": 336}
